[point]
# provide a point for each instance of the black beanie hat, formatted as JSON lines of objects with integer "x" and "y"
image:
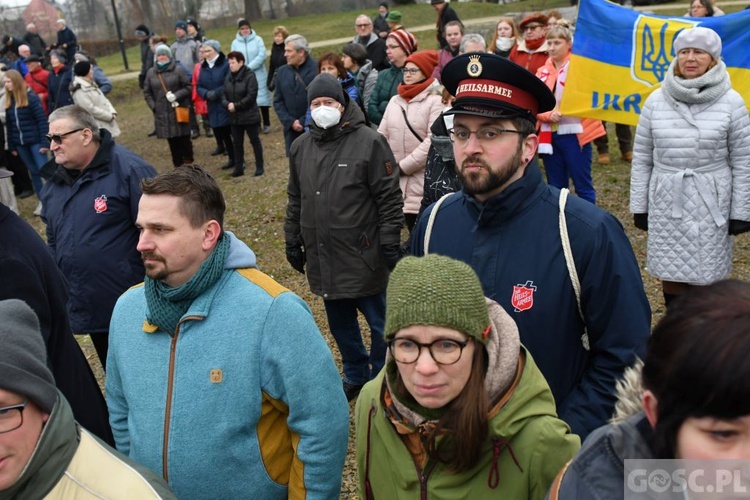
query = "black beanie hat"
{"x": 23, "y": 357}
{"x": 325, "y": 85}
{"x": 82, "y": 68}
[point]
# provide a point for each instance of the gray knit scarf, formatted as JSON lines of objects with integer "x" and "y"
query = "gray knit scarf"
{"x": 708, "y": 87}
{"x": 166, "y": 304}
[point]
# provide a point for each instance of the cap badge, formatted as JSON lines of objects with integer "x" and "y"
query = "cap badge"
{"x": 474, "y": 68}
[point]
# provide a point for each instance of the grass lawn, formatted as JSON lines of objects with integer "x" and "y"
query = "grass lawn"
{"x": 256, "y": 206}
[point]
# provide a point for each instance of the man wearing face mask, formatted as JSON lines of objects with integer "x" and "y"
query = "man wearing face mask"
{"x": 343, "y": 223}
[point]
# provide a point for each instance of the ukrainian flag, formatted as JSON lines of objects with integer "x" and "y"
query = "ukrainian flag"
{"x": 620, "y": 56}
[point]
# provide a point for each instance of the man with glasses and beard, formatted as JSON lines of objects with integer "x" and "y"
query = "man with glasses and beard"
{"x": 90, "y": 205}
{"x": 508, "y": 225}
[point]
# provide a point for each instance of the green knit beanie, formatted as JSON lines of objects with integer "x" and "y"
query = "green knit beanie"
{"x": 436, "y": 290}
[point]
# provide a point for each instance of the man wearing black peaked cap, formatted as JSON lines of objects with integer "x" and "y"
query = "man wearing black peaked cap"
{"x": 507, "y": 224}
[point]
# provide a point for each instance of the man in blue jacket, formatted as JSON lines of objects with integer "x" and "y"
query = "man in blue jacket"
{"x": 292, "y": 79}
{"x": 218, "y": 377}
{"x": 508, "y": 225}
{"x": 90, "y": 205}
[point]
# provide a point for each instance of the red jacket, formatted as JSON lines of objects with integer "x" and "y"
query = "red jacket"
{"x": 201, "y": 108}
{"x": 39, "y": 81}
{"x": 532, "y": 61}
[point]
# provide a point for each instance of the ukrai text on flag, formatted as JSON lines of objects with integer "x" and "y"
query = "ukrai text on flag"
{"x": 620, "y": 56}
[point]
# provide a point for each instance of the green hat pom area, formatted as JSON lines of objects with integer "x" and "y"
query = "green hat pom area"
{"x": 436, "y": 290}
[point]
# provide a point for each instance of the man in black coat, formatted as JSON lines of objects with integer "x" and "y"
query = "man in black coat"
{"x": 374, "y": 45}
{"x": 66, "y": 40}
{"x": 30, "y": 274}
{"x": 34, "y": 40}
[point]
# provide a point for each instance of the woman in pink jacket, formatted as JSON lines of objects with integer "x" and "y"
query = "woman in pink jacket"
{"x": 406, "y": 125}
{"x": 565, "y": 141}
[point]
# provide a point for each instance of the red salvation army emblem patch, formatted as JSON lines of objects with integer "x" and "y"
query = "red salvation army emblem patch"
{"x": 523, "y": 296}
{"x": 100, "y": 204}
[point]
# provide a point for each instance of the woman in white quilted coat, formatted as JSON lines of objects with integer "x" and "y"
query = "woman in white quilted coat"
{"x": 406, "y": 125}
{"x": 690, "y": 177}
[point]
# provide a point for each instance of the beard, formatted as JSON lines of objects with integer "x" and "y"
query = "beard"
{"x": 488, "y": 179}
{"x": 156, "y": 271}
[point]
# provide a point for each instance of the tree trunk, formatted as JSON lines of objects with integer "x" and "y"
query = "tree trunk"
{"x": 253, "y": 10}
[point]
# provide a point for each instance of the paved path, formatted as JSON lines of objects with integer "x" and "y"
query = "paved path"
{"x": 565, "y": 11}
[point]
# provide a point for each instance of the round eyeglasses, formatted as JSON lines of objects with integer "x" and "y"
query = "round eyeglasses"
{"x": 443, "y": 351}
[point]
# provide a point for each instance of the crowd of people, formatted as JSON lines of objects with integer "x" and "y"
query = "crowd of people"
{"x": 518, "y": 370}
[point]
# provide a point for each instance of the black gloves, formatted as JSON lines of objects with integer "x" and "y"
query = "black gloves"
{"x": 295, "y": 254}
{"x": 392, "y": 254}
{"x": 641, "y": 221}
{"x": 738, "y": 226}
{"x": 210, "y": 95}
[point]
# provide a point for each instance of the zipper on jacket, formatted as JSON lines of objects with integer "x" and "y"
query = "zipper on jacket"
{"x": 423, "y": 477}
{"x": 170, "y": 386}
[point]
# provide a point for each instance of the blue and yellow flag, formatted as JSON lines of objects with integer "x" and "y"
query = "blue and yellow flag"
{"x": 621, "y": 55}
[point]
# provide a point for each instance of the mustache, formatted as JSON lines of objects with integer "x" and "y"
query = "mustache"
{"x": 151, "y": 256}
{"x": 474, "y": 160}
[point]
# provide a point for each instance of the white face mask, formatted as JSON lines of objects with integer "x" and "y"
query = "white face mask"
{"x": 326, "y": 117}
{"x": 505, "y": 43}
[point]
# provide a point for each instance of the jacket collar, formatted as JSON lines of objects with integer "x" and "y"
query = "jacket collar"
{"x": 515, "y": 199}
{"x": 99, "y": 164}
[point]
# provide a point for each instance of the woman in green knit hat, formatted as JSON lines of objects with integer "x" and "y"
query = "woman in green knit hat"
{"x": 460, "y": 409}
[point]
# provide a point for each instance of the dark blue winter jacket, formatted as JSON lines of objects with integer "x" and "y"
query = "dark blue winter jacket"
{"x": 210, "y": 88}
{"x": 90, "y": 217}
{"x": 59, "y": 88}
{"x": 290, "y": 96}
{"x": 27, "y": 126}
{"x": 513, "y": 243}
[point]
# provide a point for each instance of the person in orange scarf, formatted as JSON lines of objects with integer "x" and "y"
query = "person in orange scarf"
{"x": 406, "y": 125}
{"x": 531, "y": 51}
{"x": 565, "y": 141}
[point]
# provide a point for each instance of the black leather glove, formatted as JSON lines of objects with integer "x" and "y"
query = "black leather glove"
{"x": 210, "y": 95}
{"x": 295, "y": 254}
{"x": 738, "y": 226}
{"x": 641, "y": 221}
{"x": 392, "y": 253}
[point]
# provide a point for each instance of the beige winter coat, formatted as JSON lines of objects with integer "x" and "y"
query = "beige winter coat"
{"x": 410, "y": 152}
{"x": 87, "y": 95}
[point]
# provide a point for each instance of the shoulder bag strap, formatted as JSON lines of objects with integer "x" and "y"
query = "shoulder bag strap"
{"x": 568, "y": 252}
{"x": 431, "y": 222}
{"x": 162, "y": 82}
{"x": 403, "y": 111}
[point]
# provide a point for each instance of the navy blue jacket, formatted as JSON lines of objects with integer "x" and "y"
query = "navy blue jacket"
{"x": 91, "y": 231}
{"x": 290, "y": 96}
{"x": 513, "y": 243}
{"x": 211, "y": 87}
{"x": 27, "y": 126}
{"x": 59, "y": 88}
{"x": 67, "y": 38}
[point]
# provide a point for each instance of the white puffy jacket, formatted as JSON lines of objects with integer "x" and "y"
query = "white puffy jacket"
{"x": 691, "y": 174}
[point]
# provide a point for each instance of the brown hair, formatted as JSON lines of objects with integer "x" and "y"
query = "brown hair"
{"x": 237, "y": 56}
{"x": 330, "y": 57}
{"x": 19, "y": 93}
{"x": 281, "y": 30}
{"x": 466, "y": 421}
{"x": 201, "y": 196}
{"x": 511, "y": 22}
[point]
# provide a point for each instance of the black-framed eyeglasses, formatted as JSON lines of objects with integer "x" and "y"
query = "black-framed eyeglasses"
{"x": 58, "y": 138}
{"x": 413, "y": 71}
{"x": 484, "y": 135}
{"x": 11, "y": 417}
{"x": 530, "y": 27}
{"x": 362, "y": 25}
{"x": 443, "y": 351}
